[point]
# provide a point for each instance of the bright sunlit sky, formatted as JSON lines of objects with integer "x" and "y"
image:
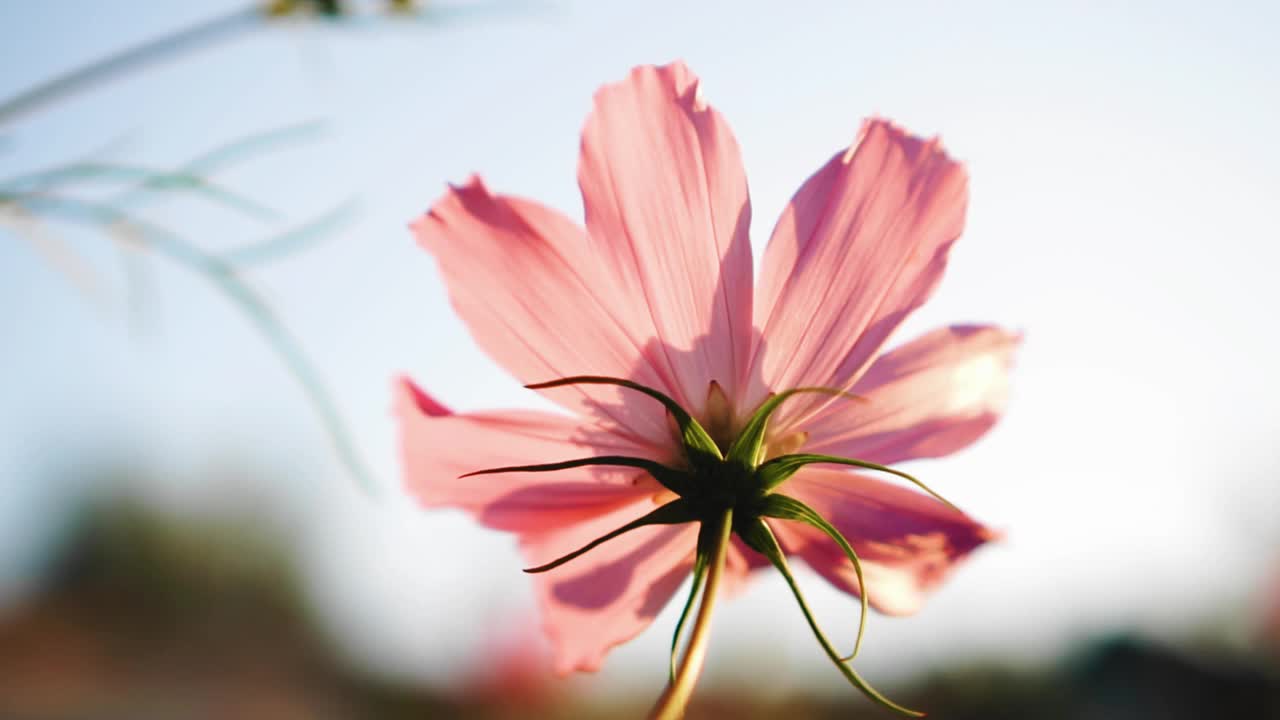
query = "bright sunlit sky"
{"x": 1125, "y": 174}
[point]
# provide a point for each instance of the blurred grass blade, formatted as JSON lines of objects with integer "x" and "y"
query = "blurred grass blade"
{"x": 223, "y": 277}
{"x": 293, "y": 240}
{"x": 236, "y": 150}
{"x": 56, "y": 251}
{"x": 150, "y": 179}
{"x": 102, "y": 70}
{"x": 226, "y": 154}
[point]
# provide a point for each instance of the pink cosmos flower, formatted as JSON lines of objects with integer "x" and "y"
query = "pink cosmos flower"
{"x": 658, "y": 290}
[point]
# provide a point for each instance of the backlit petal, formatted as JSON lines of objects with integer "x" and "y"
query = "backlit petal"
{"x": 522, "y": 278}
{"x": 667, "y": 209}
{"x": 862, "y": 244}
{"x": 612, "y": 593}
{"x": 438, "y": 448}
{"x": 928, "y": 398}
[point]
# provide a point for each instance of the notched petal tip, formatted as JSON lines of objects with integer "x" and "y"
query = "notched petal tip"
{"x": 997, "y": 335}
{"x": 408, "y": 396}
{"x": 473, "y": 183}
{"x": 870, "y": 129}
{"x": 447, "y": 208}
{"x": 878, "y": 133}
{"x": 677, "y": 82}
{"x": 676, "y": 75}
{"x": 687, "y": 86}
{"x": 986, "y": 534}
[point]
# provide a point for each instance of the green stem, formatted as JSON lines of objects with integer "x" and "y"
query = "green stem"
{"x": 675, "y": 699}
{"x": 699, "y": 575}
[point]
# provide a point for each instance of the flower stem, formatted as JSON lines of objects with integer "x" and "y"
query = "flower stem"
{"x": 675, "y": 699}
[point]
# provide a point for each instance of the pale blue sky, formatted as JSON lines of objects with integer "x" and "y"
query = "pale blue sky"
{"x": 1125, "y": 173}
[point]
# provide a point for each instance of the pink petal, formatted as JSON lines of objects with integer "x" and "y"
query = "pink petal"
{"x": 928, "y": 398}
{"x": 526, "y": 283}
{"x": 907, "y": 541}
{"x": 861, "y": 245}
{"x": 596, "y": 601}
{"x": 667, "y": 208}
{"x": 438, "y": 449}
{"x": 611, "y": 594}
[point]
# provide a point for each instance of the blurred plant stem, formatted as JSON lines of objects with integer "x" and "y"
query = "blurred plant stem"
{"x": 135, "y": 58}
{"x": 167, "y": 47}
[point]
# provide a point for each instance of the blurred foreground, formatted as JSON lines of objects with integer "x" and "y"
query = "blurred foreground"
{"x": 144, "y": 616}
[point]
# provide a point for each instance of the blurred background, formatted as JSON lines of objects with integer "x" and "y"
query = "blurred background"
{"x": 207, "y": 285}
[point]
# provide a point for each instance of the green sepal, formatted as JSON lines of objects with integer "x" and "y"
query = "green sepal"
{"x": 787, "y": 508}
{"x": 697, "y": 442}
{"x": 774, "y": 472}
{"x": 673, "y": 513}
{"x": 701, "y": 560}
{"x": 757, "y": 535}
{"x": 673, "y": 480}
{"x": 746, "y": 447}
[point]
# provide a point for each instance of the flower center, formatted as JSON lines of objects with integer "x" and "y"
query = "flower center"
{"x": 720, "y": 485}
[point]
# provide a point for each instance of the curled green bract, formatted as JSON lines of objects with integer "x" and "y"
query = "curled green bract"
{"x": 697, "y": 443}
{"x": 728, "y": 491}
{"x": 760, "y": 538}
{"x": 676, "y": 512}
{"x": 786, "y": 508}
